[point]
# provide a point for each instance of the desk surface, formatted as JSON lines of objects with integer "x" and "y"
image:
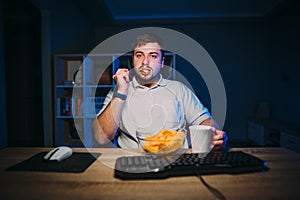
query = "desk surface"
{"x": 98, "y": 181}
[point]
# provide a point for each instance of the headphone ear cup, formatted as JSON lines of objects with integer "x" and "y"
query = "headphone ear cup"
{"x": 130, "y": 67}
{"x": 130, "y": 62}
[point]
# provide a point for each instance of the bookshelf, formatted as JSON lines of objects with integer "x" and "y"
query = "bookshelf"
{"x": 81, "y": 84}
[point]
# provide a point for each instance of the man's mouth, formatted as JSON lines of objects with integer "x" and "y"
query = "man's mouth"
{"x": 145, "y": 71}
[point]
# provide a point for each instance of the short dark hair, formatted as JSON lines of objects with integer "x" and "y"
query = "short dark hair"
{"x": 148, "y": 38}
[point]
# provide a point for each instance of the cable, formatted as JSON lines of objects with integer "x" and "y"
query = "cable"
{"x": 214, "y": 191}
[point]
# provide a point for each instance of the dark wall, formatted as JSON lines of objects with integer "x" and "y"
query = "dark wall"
{"x": 3, "y": 139}
{"x": 240, "y": 53}
{"x": 284, "y": 41}
{"x": 71, "y": 31}
{"x": 23, "y": 73}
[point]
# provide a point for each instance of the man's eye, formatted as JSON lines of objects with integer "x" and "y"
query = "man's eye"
{"x": 154, "y": 56}
{"x": 138, "y": 55}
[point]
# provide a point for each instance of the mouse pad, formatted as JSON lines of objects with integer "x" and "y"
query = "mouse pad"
{"x": 77, "y": 163}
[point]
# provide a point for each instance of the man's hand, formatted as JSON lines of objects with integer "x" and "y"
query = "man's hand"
{"x": 219, "y": 139}
{"x": 121, "y": 77}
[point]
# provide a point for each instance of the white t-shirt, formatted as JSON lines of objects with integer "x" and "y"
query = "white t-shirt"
{"x": 168, "y": 105}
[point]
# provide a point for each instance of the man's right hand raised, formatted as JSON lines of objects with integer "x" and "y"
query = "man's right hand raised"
{"x": 121, "y": 78}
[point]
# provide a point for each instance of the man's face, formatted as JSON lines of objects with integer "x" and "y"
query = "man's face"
{"x": 147, "y": 63}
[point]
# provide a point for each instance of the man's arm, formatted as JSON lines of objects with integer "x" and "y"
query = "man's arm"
{"x": 106, "y": 124}
{"x": 210, "y": 122}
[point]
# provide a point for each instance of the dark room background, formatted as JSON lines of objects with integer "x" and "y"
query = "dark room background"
{"x": 257, "y": 58}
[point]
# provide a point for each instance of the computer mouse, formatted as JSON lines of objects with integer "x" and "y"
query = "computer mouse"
{"x": 58, "y": 154}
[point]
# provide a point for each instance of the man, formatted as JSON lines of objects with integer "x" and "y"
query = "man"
{"x": 148, "y": 101}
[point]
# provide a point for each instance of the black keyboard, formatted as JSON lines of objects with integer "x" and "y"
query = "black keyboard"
{"x": 163, "y": 166}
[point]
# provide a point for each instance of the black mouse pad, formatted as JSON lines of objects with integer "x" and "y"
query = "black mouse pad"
{"x": 77, "y": 163}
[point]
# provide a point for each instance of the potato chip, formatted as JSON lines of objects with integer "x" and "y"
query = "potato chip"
{"x": 165, "y": 141}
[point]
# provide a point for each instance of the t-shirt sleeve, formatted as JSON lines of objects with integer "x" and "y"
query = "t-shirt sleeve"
{"x": 195, "y": 112}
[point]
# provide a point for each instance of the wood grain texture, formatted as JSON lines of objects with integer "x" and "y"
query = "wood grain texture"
{"x": 98, "y": 182}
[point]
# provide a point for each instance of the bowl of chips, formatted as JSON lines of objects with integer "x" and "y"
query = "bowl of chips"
{"x": 162, "y": 142}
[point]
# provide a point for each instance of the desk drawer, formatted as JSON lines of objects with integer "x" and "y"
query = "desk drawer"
{"x": 290, "y": 141}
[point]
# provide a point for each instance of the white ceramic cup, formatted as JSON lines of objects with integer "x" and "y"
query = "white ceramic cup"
{"x": 201, "y": 138}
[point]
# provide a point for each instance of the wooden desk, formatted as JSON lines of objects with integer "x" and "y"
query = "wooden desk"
{"x": 98, "y": 182}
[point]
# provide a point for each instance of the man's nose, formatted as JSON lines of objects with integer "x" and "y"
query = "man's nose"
{"x": 145, "y": 60}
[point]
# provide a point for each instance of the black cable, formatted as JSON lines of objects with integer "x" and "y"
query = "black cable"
{"x": 214, "y": 191}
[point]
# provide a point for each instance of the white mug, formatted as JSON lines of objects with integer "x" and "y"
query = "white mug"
{"x": 201, "y": 138}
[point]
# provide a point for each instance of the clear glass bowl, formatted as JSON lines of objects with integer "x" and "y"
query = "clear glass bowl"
{"x": 162, "y": 142}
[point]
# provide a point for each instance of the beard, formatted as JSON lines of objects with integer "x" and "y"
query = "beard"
{"x": 145, "y": 75}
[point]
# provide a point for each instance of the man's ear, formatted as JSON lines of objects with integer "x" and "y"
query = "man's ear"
{"x": 162, "y": 62}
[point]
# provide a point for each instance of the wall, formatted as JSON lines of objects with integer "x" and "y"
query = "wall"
{"x": 22, "y": 74}
{"x": 2, "y": 85}
{"x": 71, "y": 31}
{"x": 284, "y": 41}
{"x": 240, "y": 52}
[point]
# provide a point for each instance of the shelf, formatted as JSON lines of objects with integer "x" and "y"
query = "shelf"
{"x": 74, "y": 117}
{"x": 83, "y": 86}
{"x": 65, "y": 86}
{"x": 99, "y": 86}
